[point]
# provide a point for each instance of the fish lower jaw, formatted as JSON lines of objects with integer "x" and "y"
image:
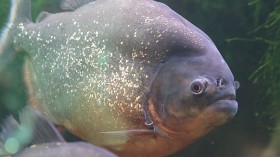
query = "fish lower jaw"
{"x": 220, "y": 112}
{"x": 226, "y": 106}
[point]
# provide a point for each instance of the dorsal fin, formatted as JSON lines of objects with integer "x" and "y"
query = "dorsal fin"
{"x": 73, "y": 4}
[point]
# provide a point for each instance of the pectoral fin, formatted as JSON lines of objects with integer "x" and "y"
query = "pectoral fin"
{"x": 133, "y": 132}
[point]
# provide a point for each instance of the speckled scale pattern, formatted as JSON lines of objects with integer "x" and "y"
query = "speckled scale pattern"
{"x": 100, "y": 63}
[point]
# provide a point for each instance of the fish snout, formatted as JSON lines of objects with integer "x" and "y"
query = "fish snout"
{"x": 227, "y": 88}
{"x": 224, "y": 104}
{"x": 227, "y": 93}
{"x": 222, "y": 83}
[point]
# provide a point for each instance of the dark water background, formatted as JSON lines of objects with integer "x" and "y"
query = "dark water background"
{"x": 247, "y": 134}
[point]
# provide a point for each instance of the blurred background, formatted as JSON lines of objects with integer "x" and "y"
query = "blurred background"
{"x": 247, "y": 33}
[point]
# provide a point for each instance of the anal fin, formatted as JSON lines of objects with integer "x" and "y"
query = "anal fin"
{"x": 43, "y": 130}
{"x": 33, "y": 128}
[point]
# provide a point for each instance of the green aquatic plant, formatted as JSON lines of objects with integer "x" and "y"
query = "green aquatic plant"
{"x": 268, "y": 73}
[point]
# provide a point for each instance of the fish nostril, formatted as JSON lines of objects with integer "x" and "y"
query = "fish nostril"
{"x": 220, "y": 82}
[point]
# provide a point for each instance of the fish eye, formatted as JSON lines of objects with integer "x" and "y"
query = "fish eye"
{"x": 198, "y": 87}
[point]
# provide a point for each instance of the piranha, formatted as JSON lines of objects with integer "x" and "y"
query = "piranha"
{"x": 132, "y": 76}
{"x": 45, "y": 141}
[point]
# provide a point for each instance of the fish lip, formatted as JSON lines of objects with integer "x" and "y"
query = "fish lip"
{"x": 228, "y": 97}
{"x": 226, "y": 102}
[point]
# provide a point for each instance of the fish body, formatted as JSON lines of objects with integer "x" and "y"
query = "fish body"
{"x": 35, "y": 136}
{"x": 129, "y": 75}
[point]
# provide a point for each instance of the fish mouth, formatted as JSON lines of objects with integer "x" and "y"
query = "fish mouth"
{"x": 229, "y": 97}
{"x": 222, "y": 109}
{"x": 225, "y": 97}
{"x": 225, "y": 105}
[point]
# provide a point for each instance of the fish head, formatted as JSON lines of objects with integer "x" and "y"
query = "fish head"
{"x": 193, "y": 93}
